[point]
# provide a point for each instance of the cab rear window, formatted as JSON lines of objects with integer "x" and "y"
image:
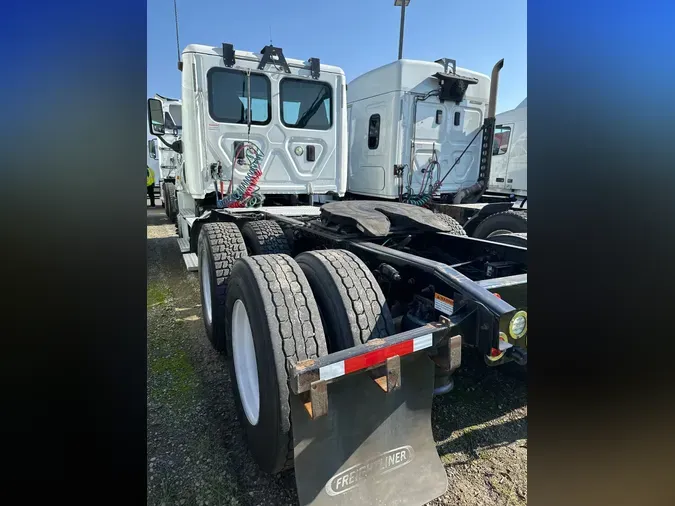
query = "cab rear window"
{"x": 306, "y": 104}
{"x": 228, "y": 96}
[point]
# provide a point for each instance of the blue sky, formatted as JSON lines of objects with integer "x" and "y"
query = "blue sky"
{"x": 356, "y": 35}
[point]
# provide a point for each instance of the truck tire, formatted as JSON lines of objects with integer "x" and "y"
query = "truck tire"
{"x": 457, "y": 229}
{"x": 218, "y": 247}
{"x": 274, "y": 323}
{"x": 352, "y": 306}
{"x": 265, "y": 237}
{"x": 501, "y": 223}
{"x": 172, "y": 201}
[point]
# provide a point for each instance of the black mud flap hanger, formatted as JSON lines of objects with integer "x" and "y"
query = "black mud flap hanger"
{"x": 452, "y": 86}
{"x": 362, "y": 421}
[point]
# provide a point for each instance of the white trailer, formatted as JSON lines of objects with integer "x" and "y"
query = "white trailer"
{"x": 330, "y": 375}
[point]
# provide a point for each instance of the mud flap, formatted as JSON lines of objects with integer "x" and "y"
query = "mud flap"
{"x": 372, "y": 447}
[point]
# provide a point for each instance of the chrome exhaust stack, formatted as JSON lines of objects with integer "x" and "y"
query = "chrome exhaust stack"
{"x": 473, "y": 193}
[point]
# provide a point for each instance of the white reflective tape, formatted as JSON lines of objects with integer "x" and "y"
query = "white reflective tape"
{"x": 420, "y": 343}
{"x": 332, "y": 371}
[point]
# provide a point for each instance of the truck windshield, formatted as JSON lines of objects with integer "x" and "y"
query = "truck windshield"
{"x": 228, "y": 96}
{"x": 306, "y": 104}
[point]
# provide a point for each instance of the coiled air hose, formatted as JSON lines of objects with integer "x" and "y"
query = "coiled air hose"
{"x": 428, "y": 187}
{"x": 247, "y": 193}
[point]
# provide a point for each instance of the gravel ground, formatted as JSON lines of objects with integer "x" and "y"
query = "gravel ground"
{"x": 196, "y": 452}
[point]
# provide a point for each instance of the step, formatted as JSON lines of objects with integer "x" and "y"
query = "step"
{"x": 184, "y": 245}
{"x": 190, "y": 260}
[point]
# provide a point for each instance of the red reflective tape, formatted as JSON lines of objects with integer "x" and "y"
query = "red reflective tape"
{"x": 378, "y": 356}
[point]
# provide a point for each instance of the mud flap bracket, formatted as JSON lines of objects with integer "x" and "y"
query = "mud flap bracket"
{"x": 391, "y": 379}
{"x": 387, "y": 377}
{"x": 317, "y": 404}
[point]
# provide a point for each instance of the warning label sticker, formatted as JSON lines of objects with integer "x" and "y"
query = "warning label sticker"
{"x": 443, "y": 304}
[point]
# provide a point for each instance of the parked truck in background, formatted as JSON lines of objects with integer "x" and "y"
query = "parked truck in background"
{"x": 166, "y": 159}
{"x": 502, "y": 209}
{"x": 508, "y": 176}
{"x": 340, "y": 321}
{"x": 412, "y": 142}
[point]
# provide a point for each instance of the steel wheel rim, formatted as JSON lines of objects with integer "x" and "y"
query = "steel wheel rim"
{"x": 245, "y": 363}
{"x": 206, "y": 285}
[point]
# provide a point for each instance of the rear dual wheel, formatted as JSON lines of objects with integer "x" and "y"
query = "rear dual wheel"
{"x": 352, "y": 305}
{"x": 265, "y": 237}
{"x": 279, "y": 311}
{"x": 219, "y": 246}
{"x": 268, "y": 311}
{"x": 274, "y": 322}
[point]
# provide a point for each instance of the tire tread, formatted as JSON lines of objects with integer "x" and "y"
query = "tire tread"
{"x": 301, "y": 335}
{"x": 266, "y": 237}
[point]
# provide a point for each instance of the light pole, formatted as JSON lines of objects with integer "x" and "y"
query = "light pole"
{"x": 402, "y": 4}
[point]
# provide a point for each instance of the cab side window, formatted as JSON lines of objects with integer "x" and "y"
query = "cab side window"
{"x": 374, "y": 131}
{"x": 500, "y": 144}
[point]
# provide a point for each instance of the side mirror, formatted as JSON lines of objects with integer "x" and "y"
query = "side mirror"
{"x": 155, "y": 117}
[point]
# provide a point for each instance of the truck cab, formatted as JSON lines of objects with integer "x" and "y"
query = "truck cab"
{"x": 397, "y": 117}
{"x": 294, "y": 111}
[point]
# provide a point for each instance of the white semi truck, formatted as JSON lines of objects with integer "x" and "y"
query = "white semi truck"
{"x": 508, "y": 175}
{"x": 509, "y": 155}
{"x": 166, "y": 159}
{"x": 431, "y": 151}
{"x": 341, "y": 321}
